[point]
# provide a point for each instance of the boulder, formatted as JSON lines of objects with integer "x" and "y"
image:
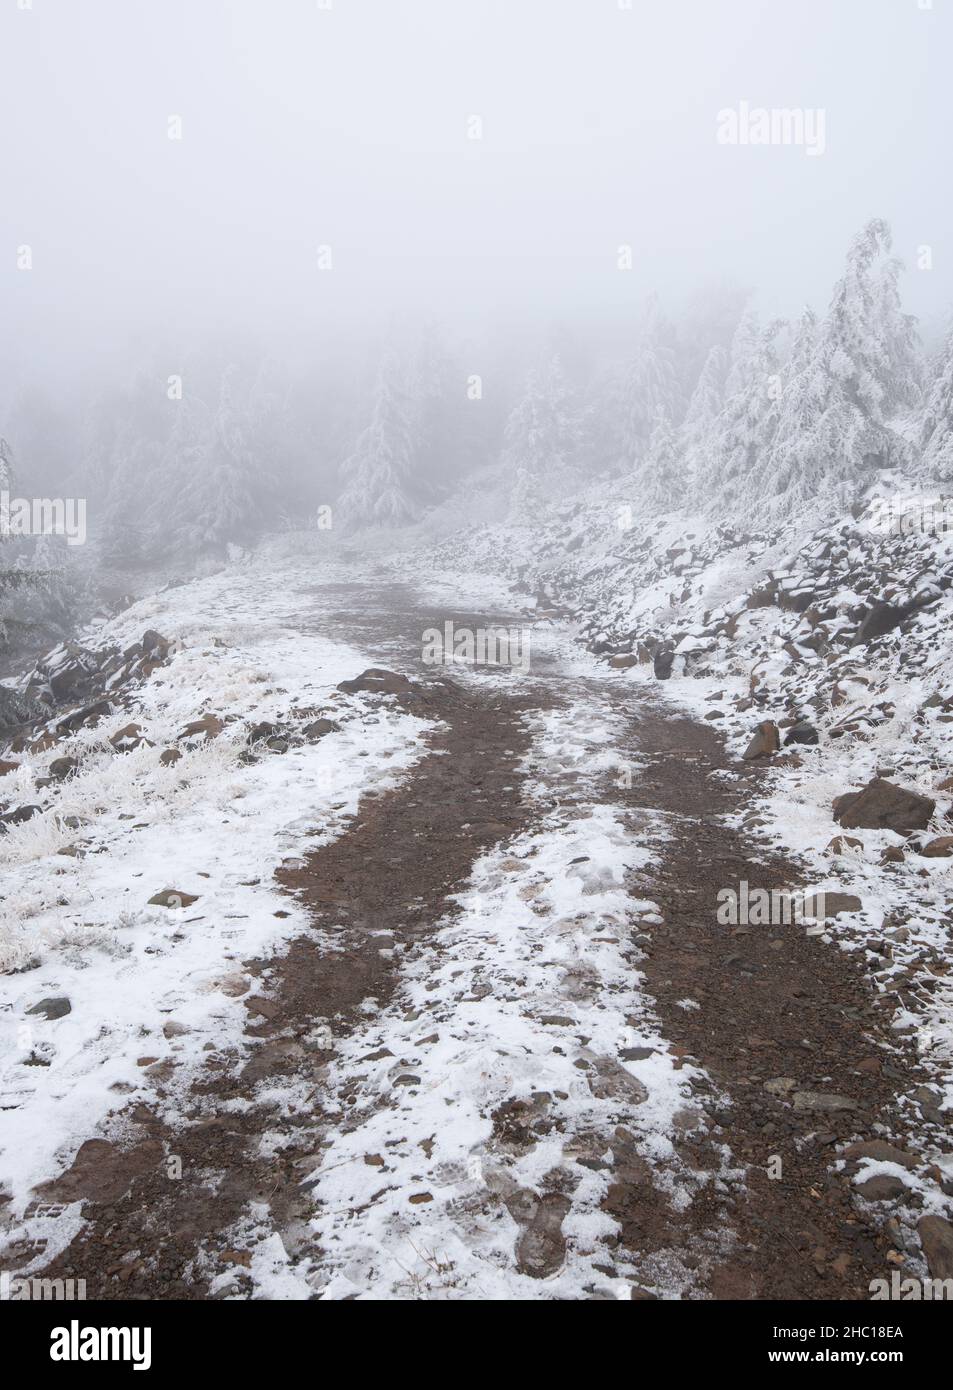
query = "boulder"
{"x": 57, "y": 1006}
{"x": 173, "y": 897}
{"x": 170, "y": 756}
{"x": 210, "y": 725}
{"x": 882, "y": 1187}
{"x": 936, "y": 1237}
{"x": 882, "y": 805}
{"x": 6, "y": 767}
{"x": 21, "y": 814}
{"x": 61, "y": 768}
{"x": 622, "y": 663}
{"x": 801, "y": 733}
{"x": 940, "y": 848}
{"x": 879, "y": 1151}
{"x": 844, "y": 844}
{"x": 662, "y": 663}
{"x": 879, "y": 619}
{"x": 128, "y": 737}
{"x": 319, "y": 727}
{"x": 377, "y": 681}
{"x": 765, "y": 741}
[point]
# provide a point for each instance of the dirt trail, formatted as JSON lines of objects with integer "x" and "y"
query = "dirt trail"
{"x": 771, "y": 1002}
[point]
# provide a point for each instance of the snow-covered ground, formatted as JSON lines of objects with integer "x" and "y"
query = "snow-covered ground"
{"x": 148, "y": 986}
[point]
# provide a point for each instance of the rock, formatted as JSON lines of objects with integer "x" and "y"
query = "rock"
{"x": 662, "y": 663}
{"x": 836, "y": 903}
{"x": 879, "y": 619}
{"x": 823, "y": 1102}
{"x": 170, "y": 756}
{"x": 765, "y": 741}
{"x": 936, "y": 1237}
{"x": 880, "y": 1152}
{"x": 319, "y": 727}
{"x": 155, "y": 645}
{"x": 86, "y": 717}
{"x": 801, "y": 733}
{"x": 128, "y": 737}
{"x": 892, "y": 854}
{"x": 844, "y": 844}
{"x": 881, "y": 1188}
{"x": 20, "y": 815}
{"x": 940, "y": 848}
{"x": 61, "y": 768}
{"x": 946, "y": 785}
{"x": 6, "y": 767}
{"x": 210, "y": 725}
{"x": 622, "y": 663}
{"x": 882, "y": 805}
{"x": 262, "y": 731}
{"x": 638, "y": 1294}
{"x": 57, "y": 1006}
{"x": 377, "y": 681}
{"x": 609, "y": 1080}
{"x": 173, "y": 897}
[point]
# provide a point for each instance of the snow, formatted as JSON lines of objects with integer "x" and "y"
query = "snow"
{"x": 253, "y": 648}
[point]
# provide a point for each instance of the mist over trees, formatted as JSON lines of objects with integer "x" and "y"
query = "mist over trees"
{"x": 746, "y": 420}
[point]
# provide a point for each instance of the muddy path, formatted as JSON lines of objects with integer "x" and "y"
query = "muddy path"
{"x": 772, "y": 1013}
{"x": 166, "y": 1201}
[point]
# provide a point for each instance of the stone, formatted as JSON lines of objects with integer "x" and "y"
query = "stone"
{"x": 936, "y": 1237}
{"x": 20, "y": 815}
{"x": 881, "y": 805}
{"x": 170, "y": 756}
{"x": 879, "y": 619}
{"x": 879, "y": 1151}
{"x": 173, "y": 897}
{"x": 801, "y": 733}
{"x": 882, "y": 1187}
{"x": 57, "y": 1006}
{"x": 61, "y": 768}
{"x": 127, "y": 738}
{"x": 662, "y": 663}
{"x": 377, "y": 681}
{"x": 940, "y": 848}
{"x": 622, "y": 663}
{"x": 765, "y": 741}
{"x": 844, "y": 844}
{"x": 319, "y": 727}
{"x": 823, "y": 1102}
{"x": 210, "y": 725}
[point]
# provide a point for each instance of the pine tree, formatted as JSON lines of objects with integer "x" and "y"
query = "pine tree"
{"x": 650, "y": 386}
{"x": 662, "y": 478}
{"x": 380, "y": 486}
{"x": 745, "y": 430}
{"x": 541, "y": 439}
{"x": 936, "y": 431}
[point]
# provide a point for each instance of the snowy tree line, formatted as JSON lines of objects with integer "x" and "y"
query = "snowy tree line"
{"x": 744, "y": 418}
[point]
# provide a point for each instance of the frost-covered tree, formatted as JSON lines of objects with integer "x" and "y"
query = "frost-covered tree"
{"x": 541, "y": 439}
{"x": 868, "y": 343}
{"x": 744, "y": 431}
{"x": 379, "y": 475}
{"x": 936, "y": 431}
{"x": 662, "y": 476}
{"x": 650, "y": 386}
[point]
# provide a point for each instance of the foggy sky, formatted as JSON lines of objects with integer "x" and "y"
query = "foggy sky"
{"x": 347, "y": 127}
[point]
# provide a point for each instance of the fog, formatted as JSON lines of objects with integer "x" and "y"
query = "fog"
{"x": 340, "y": 222}
{"x": 348, "y": 125}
